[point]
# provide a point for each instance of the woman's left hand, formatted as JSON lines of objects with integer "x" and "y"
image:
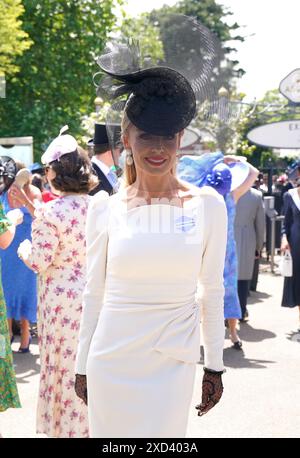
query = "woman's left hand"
{"x": 15, "y": 216}
{"x": 24, "y": 252}
{"x": 212, "y": 390}
{"x": 18, "y": 195}
{"x": 229, "y": 159}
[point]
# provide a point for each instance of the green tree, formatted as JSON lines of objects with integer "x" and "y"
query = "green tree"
{"x": 224, "y": 123}
{"x": 13, "y": 40}
{"x": 54, "y": 86}
{"x": 212, "y": 15}
{"x": 143, "y": 29}
{"x": 273, "y": 107}
{"x": 97, "y": 116}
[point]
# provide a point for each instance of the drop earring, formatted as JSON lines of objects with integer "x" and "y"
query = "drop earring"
{"x": 129, "y": 158}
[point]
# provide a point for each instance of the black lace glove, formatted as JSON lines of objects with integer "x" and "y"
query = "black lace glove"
{"x": 212, "y": 390}
{"x": 81, "y": 387}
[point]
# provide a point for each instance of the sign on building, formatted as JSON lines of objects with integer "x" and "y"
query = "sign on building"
{"x": 290, "y": 86}
{"x": 283, "y": 134}
{"x": 20, "y": 148}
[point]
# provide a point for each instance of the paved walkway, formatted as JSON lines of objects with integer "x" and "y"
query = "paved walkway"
{"x": 262, "y": 383}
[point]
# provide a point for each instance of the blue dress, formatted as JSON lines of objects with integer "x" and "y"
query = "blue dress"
{"x": 209, "y": 170}
{"x": 18, "y": 281}
{"x": 232, "y": 308}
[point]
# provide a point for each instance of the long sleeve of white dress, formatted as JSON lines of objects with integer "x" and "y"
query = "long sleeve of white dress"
{"x": 211, "y": 280}
{"x": 96, "y": 242}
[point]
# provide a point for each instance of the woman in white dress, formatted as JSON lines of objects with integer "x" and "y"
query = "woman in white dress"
{"x": 155, "y": 259}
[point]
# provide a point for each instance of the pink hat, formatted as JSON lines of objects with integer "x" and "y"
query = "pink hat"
{"x": 63, "y": 144}
{"x": 282, "y": 179}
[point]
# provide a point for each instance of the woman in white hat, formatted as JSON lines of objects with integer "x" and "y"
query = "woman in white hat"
{"x": 57, "y": 255}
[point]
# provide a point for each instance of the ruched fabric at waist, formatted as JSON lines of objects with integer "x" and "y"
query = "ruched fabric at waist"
{"x": 134, "y": 296}
{"x": 176, "y": 315}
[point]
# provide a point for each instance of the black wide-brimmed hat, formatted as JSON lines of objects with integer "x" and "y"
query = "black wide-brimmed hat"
{"x": 163, "y": 94}
{"x": 161, "y": 101}
{"x": 8, "y": 171}
{"x": 160, "y": 94}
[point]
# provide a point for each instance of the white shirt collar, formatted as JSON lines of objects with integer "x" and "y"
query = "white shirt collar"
{"x": 295, "y": 196}
{"x": 110, "y": 176}
{"x": 103, "y": 167}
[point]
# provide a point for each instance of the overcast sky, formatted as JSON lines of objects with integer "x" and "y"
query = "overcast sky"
{"x": 272, "y": 49}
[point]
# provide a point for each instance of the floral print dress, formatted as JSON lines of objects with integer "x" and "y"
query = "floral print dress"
{"x": 8, "y": 388}
{"x": 58, "y": 255}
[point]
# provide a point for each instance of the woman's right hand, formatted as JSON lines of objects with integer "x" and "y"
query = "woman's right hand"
{"x": 212, "y": 390}
{"x": 229, "y": 159}
{"x": 17, "y": 196}
{"x": 81, "y": 387}
{"x": 15, "y": 216}
{"x": 284, "y": 245}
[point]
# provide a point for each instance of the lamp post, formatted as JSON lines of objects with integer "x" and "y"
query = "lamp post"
{"x": 270, "y": 176}
{"x": 223, "y": 92}
{"x": 222, "y": 131}
{"x": 2, "y": 85}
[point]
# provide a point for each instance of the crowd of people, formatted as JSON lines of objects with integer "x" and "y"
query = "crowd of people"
{"x": 124, "y": 273}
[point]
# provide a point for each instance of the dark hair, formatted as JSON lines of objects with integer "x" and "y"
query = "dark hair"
{"x": 98, "y": 149}
{"x": 37, "y": 181}
{"x": 74, "y": 173}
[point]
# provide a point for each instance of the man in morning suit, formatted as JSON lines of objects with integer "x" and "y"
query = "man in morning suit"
{"x": 103, "y": 161}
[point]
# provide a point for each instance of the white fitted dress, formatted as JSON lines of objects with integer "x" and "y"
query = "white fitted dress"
{"x": 151, "y": 272}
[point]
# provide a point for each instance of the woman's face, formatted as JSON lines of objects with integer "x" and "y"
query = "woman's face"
{"x": 49, "y": 176}
{"x": 154, "y": 154}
